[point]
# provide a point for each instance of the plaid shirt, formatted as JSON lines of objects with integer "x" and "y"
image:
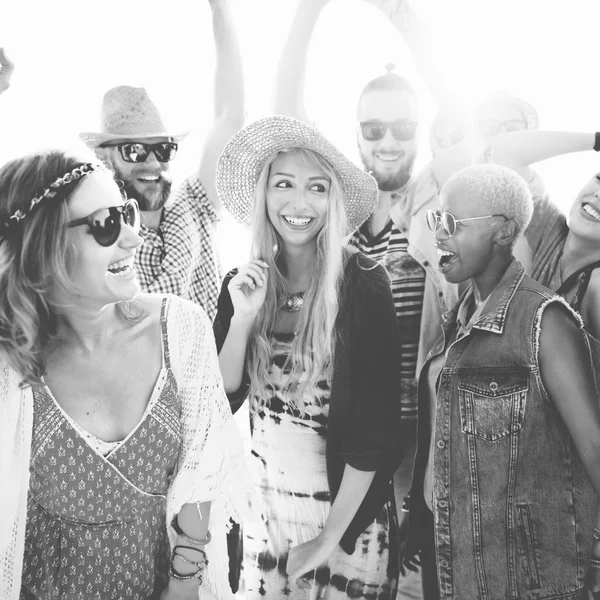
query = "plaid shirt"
{"x": 180, "y": 258}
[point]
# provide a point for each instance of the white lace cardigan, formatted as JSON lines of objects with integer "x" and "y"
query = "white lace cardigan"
{"x": 211, "y": 463}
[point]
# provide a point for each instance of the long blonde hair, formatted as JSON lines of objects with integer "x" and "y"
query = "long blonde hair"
{"x": 35, "y": 258}
{"x": 313, "y": 347}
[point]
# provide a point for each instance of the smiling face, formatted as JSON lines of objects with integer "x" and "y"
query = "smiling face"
{"x": 149, "y": 182}
{"x": 469, "y": 252}
{"x": 100, "y": 275}
{"x": 297, "y": 198}
{"x": 390, "y": 161}
{"x": 584, "y": 216}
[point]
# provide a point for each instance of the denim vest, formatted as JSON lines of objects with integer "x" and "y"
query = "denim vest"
{"x": 513, "y": 506}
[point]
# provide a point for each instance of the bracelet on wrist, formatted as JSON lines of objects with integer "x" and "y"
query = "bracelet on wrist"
{"x": 597, "y": 141}
{"x": 595, "y": 563}
{"x": 177, "y": 576}
{"x": 203, "y": 562}
{"x": 190, "y": 540}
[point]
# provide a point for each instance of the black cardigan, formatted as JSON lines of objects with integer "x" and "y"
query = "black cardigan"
{"x": 364, "y": 407}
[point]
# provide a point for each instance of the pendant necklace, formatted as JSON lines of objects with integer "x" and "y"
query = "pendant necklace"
{"x": 293, "y": 302}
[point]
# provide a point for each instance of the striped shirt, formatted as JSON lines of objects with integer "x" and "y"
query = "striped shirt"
{"x": 180, "y": 257}
{"x": 407, "y": 278}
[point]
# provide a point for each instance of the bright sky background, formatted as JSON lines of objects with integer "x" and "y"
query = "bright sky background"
{"x": 68, "y": 53}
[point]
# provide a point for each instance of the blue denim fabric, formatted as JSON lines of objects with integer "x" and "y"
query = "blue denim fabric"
{"x": 513, "y": 507}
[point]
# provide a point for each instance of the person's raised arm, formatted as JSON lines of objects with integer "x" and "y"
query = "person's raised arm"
{"x": 418, "y": 38}
{"x": 290, "y": 77}
{"x": 229, "y": 99}
{"x": 6, "y": 70}
{"x": 520, "y": 149}
{"x": 568, "y": 379}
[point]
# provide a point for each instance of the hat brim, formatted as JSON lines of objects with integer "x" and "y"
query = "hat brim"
{"x": 245, "y": 155}
{"x": 93, "y": 140}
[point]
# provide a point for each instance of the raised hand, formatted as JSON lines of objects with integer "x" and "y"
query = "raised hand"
{"x": 6, "y": 70}
{"x": 248, "y": 289}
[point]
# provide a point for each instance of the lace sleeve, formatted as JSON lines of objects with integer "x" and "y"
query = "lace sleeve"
{"x": 16, "y": 422}
{"x": 212, "y": 465}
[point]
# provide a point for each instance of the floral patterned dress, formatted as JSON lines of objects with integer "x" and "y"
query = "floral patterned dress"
{"x": 96, "y": 523}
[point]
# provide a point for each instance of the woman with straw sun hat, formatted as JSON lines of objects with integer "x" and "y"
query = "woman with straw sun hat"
{"x": 307, "y": 332}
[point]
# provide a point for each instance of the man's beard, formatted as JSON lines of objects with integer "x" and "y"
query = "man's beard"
{"x": 390, "y": 182}
{"x": 147, "y": 202}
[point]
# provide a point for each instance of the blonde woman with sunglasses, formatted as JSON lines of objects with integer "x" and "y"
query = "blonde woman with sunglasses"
{"x": 120, "y": 461}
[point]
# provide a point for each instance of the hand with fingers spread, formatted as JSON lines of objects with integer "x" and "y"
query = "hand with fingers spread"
{"x": 6, "y": 70}
{"x": 248, "y": 289}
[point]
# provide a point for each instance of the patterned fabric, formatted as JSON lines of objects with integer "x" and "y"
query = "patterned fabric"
{"x": 180, "y": 258}
{"x": 390, "y": 249}
{"x": 96, "y": 524}
{"x": 288, "y": 461}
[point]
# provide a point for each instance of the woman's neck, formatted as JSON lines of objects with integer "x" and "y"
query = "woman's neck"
{"x": 577, "y": 253}
{"x": 484, "y": 284}
{"x": 298, "y": 265}
{"x": 87, "y": 330}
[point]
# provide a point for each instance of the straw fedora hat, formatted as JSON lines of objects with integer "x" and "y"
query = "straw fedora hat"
{"x": 245, "y": 155}
{"x": 128, "y": 113}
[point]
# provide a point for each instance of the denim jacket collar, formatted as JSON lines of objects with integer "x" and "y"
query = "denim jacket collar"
{"x": 493, "y": 317}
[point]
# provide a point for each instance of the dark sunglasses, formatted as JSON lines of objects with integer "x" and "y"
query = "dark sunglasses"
{"x": 137, "y": 152}
{"x": 489, "y": 127}
{"x": 447, "y": 221}
{"x": 402, "y": 130}
{"x": 105, "y": 223}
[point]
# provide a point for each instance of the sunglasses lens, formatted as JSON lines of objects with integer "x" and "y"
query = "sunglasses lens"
{"x": 131, "y": 215}
{"x": 432, "y": 221}
{"x": 165, "y": 152}
{"x": 403, "y": 131}
{"x": 448, "y": 224}
{"x": 372, "y": 131}
{"x": 516, "y": 126}
{"x": 488, "y": 127}
{"x": 134, "y": 153}
{"x": 106, "y": 226}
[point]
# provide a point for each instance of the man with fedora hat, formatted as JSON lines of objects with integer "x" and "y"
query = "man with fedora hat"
{"x": 178, "y": 255}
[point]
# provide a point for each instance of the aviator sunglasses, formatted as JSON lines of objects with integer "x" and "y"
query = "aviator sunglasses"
{"x": 105, "y": 223}
{"x": 447, "y": 221}
{"x": 402, "y": 130}
{"x": 138, "y": 152}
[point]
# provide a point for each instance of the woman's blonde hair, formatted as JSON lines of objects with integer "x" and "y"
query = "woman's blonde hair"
{"x": 35, "y": 257}
{"x": 313, "y": 347}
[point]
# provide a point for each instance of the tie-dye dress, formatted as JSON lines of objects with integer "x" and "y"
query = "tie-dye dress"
{"x": 288, "y": 461}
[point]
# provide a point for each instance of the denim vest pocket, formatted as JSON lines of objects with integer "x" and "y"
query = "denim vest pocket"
{"x": 492, "y": 403}
{"x": 528, "y": 545}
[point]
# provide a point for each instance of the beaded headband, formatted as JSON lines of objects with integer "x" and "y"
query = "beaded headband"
{"x": 50, "y": 192}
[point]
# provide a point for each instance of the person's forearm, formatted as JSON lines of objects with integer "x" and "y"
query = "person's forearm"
{"x": 520, "y": 149}
{"x": 229, "y": 77}
{"x": 430, "y": 62}
{"x": 233, "y": 353}
{"x": 353, "y": 489}
{"x": 290, "y": 77}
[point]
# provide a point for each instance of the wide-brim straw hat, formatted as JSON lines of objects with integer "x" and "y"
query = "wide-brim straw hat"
{"x": 129, "y": 113}
{"x": 245, "y": 155}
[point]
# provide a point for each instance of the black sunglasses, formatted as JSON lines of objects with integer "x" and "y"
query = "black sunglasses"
{"x": 105, "y": 223}
{"x": 138, "y": 152}
{"x": 402, "y": 130}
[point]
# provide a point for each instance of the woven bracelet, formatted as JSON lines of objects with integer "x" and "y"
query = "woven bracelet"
{"x": 596, "y": 534}
{"x": 595, "y": 563}
{"x": 201, "y": 564}
{"x": 174, "y": 574}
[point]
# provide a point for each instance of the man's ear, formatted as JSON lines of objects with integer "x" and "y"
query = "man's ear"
{"x": 507, "y": 234}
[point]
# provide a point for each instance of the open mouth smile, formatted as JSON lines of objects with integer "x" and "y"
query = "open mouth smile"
{"x": 122, "y": 268}
{"x": 446, "y": 258}
{"x": 591, "y": 211}
{"x": 298, "y": 222}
